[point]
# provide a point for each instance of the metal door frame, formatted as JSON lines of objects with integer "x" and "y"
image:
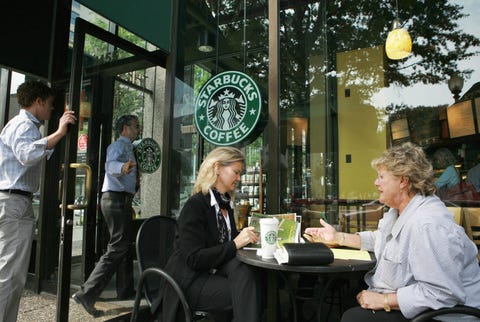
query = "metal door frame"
{"x": 140, "y": 57}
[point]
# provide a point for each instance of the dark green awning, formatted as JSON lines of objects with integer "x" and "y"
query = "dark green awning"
{"x": 149, "y": 19}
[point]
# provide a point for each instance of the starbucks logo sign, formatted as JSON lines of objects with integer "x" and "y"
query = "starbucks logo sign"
{"x": 148, "y": 155}
{"x": 271, "y": 237}
{"x": 227, "y": 108}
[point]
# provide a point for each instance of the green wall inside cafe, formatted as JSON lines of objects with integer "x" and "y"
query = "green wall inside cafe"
{"x": 362, "y": 132}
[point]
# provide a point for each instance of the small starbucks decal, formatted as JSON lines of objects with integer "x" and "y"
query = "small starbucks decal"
{"x": 271, "y": 237}
{"x": 227, "y": 108}
{"x": 148, "y": 155}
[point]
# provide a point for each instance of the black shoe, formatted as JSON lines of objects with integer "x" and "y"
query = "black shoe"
{"x": 79, "y": 299}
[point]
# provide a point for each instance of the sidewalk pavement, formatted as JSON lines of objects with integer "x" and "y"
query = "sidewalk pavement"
{"x": 42, "y": 308}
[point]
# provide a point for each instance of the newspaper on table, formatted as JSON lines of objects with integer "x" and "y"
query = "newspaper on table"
{"x": 288, "y": 228}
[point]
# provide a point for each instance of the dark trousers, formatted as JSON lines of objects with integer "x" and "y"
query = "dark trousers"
{"x": 234, "y": 286}
{"x": 117, "y": 211}
{"x": 358, "y": 314}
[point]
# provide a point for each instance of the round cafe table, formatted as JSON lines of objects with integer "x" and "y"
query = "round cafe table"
{"x": 330, "y": 271}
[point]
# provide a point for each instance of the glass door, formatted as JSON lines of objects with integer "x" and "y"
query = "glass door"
{"x": 110, "y": 77}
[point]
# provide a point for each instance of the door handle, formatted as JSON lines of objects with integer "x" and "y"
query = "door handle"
{"x": 88, "y": 186}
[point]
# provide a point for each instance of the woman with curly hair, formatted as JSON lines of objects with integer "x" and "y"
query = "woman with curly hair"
{"x": 424, "y": 259}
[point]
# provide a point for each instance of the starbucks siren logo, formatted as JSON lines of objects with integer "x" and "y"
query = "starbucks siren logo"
{"x": 271, "y": 237}
{"x": 148, "y": 155}
{"x": 227, "y": 108}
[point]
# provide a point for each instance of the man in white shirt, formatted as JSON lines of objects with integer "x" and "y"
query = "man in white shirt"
{"x": 22, "y": 150}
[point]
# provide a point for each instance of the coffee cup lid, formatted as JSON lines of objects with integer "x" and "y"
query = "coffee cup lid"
{"x": 269, "y": 220}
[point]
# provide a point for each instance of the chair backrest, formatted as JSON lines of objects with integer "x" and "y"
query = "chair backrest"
{"x": 428, "y": 315}
{"x": 361, "y": 218}
{"x": 471, "y": 222}
{"x": 457, "y": 214}
{"x": 154, "y": 247}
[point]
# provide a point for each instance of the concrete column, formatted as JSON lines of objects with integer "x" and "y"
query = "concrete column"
{"x": 152, "y": 127}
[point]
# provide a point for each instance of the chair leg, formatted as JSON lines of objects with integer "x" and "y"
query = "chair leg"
{"x": 136, "y": 304}
{"x": 138, "y": 298}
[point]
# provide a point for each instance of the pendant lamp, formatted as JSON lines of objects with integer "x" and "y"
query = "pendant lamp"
{"x": 399, "y": 43}
{"x": 205, "y": 42}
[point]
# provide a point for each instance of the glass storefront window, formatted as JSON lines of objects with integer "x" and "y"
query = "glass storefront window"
{"x": 342, "y": 101}
{"x": 236, "y": 33}
{"x": 17, "y": 79}
{"x": 99, "y": 52}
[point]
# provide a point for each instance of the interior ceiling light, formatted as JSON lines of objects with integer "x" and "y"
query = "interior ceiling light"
{"x": 399, "y": 43}
{"x": 205, "y": 42}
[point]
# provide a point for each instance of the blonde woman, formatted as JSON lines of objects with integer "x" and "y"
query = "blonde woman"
{"x": 204, "y": 262}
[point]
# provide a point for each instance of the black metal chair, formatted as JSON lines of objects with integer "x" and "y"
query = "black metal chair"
{"x": 461, "y": 309}
{"x": 154, "y": 246}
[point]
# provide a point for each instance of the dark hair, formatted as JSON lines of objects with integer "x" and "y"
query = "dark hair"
{"x": 442, "y": 158}
{"x": 122, "y": 121}
{"x": 29, "y": 91}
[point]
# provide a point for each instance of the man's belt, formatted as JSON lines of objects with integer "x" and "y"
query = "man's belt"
{"x": 17, "y": 192}
{"x": 124, "y": 193}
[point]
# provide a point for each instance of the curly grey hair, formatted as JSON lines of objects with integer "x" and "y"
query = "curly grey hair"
{"x": 409, "y": 160}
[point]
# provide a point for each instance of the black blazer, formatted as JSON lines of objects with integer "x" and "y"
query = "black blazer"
{"x": 197, "y": 251}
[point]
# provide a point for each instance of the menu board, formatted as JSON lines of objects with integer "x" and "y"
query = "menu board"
{"x": 399, "y": 129}
{"x": 460, "y": 119}
{"x": 424, "y": 125}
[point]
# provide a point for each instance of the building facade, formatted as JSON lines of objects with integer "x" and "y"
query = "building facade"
{"x": 331, "y": 100}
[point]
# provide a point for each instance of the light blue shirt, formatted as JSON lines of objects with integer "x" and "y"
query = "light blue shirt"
{"x": 448, "y": 178}
{"x": 118, "y": 153}
{"x": 425, "y": 257}
{"x": 22, "y": 150}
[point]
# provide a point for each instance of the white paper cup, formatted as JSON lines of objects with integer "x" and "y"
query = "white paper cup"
{"x": 268, "y": 235}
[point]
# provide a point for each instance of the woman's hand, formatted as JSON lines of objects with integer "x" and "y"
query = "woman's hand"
{"x": 326, "y": 234}
{"x": 371, "y": 300}
{"x": 246, "y": 236}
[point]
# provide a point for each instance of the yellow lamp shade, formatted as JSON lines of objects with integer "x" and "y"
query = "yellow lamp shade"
{"x": 398, "y": 44}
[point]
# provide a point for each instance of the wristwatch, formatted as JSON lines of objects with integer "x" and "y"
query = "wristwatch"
{"x": 386, "y": 307}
